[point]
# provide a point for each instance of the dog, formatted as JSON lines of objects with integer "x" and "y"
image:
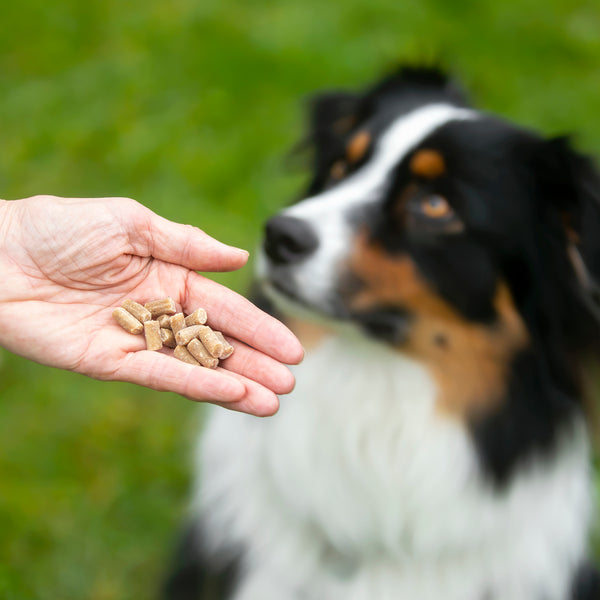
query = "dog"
{"x": 441, "y": 273}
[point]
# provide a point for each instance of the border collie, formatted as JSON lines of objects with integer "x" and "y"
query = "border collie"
{"x": 440, "y": 271}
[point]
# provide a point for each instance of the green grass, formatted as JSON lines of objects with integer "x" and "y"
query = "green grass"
{"x": 189, "y": 107}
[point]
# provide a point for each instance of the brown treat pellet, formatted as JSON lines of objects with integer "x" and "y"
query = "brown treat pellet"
{"x": 210, "y": 340}
{"x": 177, "y": 322}
{"x": 152, "y": 333}
{"x": 127, "y": 321}
{"x": 164, "y": 321}
{"x": 202, "y": 355}
{"x": 187, "y": 334}
{"x": 182, "y": 353}
{"x": 165, "y": 306}
{"x": 193, "y": 341}
{"x": 227, "y": 347}
{"x": 167, "y": 338}
{"x": 141, "y": 313}
{"x": 198, "y": 317}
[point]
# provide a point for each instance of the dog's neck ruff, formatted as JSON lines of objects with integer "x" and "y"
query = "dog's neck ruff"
{"x": 358, "y": 490}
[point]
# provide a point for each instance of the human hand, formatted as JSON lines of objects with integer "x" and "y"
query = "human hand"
{"x": 66, "y": 263}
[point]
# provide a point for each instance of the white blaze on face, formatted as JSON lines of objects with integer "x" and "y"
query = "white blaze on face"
{"x": 329, "y": 213}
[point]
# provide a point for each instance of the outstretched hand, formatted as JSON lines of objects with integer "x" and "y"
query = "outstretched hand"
{"x": 66, "y": 263}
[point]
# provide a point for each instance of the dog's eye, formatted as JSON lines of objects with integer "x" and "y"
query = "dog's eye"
{"x": 436, "y": 207}
{"x": 430, "y": 213}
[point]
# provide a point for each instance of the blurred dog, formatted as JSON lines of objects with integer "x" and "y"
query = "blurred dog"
{"x": 441, "y": 273}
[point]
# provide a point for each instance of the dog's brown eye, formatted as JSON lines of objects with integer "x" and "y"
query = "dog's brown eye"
{"x": 436, "y": 207}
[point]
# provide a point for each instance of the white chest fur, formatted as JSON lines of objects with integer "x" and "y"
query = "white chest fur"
{"x": 357, "y": 490}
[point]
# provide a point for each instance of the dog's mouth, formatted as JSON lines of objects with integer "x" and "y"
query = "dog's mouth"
{"x": 295, "y": 294}
{"x": 385, "y": 324}
{"x": 279, "y": 285}
{"x": 388, "y": 325}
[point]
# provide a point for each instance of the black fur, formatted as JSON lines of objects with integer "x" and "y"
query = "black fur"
{"x": 587, "y": 584}
{"x": 194, "y": 575}
{"x": 534, "y": 413}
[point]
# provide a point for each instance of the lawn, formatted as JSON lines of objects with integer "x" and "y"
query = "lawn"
{"x": 190, "y": 107}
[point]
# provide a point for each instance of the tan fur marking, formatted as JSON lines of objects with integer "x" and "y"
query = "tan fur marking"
{"x": 358, "y": 146}
{"x": 468, "y": 360}
{"x": 427, "y": 163}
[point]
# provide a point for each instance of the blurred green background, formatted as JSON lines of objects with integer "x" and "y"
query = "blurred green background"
{"x": 190, "y": 107}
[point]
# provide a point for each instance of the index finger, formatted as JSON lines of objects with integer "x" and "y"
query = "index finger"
{"x": 236, "y": 316}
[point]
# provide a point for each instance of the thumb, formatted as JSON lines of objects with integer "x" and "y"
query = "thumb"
{"x": 185, "y": 245}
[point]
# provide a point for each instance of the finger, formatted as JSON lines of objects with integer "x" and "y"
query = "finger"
{"x": 257, "y": 401}
{"x": 236, "y": 316}
{"x": 165, "y": 373}
{"x": 259, "y": 367}
{"x": 185, "y": 245}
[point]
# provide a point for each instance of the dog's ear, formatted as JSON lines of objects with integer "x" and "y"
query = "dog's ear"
{"x": 570, "y": 186}
{"x": 332, "y": 116}
{"x": 334, "y": 113}
{"x": 567, "y": 240}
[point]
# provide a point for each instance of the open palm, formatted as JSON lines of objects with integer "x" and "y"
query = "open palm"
{"x": 66, "y": 263}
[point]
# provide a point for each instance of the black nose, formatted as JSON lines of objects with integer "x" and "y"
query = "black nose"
{"x": 288, "y": 239}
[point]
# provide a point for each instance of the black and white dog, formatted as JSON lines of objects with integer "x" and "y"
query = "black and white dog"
{"x": 441, "y": 273}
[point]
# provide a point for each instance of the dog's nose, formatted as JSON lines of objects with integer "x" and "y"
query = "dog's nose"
{"x": 288, "y": 239}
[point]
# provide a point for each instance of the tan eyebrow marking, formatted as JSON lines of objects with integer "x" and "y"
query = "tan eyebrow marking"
{"x": 358, "y": 146}
{"x": 427, "y": 163}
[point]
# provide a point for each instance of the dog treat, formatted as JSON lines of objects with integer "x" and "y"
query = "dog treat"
{"x": 177, "y": 322}
{"x": 166, "y": 306}
{"x": 182, "y": 353}
{"x": 167, "y": 338}
{"x": 152, "y": 333}
{"x": 210, "y": 341}
{"x": 164, "y": 321}
{"x": 227, "y": 347}
{"x": 127, "y": 321}
{"x": 198, "y": 317}
{"x": 187, "y": 334}
{"x": 141, "y": 313}
{"x": 201, "y": 354}
{"x": 191, "y": 339}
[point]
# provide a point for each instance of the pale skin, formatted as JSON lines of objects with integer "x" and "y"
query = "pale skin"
{"x": 65, "y": 263}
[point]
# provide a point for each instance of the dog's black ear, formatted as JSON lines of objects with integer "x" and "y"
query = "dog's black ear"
{"x": 334, "y": 113}
{"x": 570, "y": 185}
{"x": 567, "y": 242}
{"x": 332, "y": 116}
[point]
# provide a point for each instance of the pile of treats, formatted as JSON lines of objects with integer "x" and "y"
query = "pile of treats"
{"x": 194, "y": 341}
